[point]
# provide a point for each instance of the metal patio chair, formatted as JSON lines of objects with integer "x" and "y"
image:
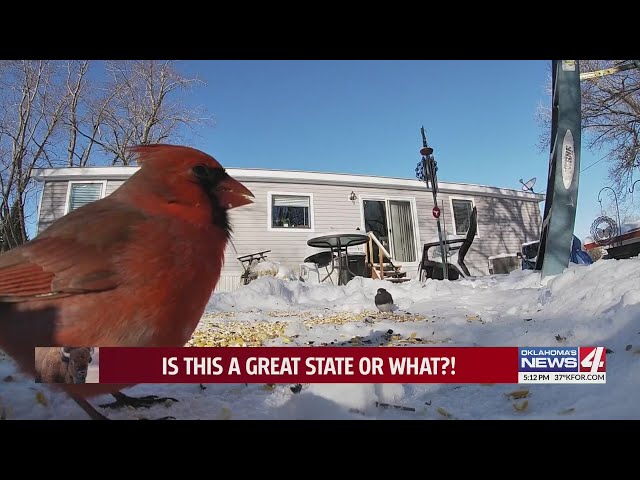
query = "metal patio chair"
{"x": 456, "y": 267}
{"x": 314, "y": 263}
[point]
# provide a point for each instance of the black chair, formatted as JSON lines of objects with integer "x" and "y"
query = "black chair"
{"x": 320, "y": 260}
{"x": 456, "y": 267}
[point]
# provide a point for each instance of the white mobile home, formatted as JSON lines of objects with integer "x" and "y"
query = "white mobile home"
{"x": 292, "y": 206}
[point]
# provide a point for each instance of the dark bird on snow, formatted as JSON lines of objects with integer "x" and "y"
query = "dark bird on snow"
{"x": 384, "y": 301}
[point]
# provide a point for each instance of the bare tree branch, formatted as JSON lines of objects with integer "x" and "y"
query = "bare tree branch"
{"x": 610, "y": 121}
{"x": 56, "y": 113}
{"x": 148, "y": 105}
{"x": 32, "y": 112}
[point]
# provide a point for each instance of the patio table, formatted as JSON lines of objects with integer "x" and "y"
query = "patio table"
{"x": 339, "y": 243}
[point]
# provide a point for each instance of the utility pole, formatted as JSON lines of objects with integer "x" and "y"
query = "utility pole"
{"x": 554, "y": 249}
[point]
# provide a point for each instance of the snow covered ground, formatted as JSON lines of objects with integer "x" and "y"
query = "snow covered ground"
{"x": 596, "y": 305}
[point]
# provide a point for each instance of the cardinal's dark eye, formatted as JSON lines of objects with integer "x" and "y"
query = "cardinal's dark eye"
{"x": 201, "y": 171}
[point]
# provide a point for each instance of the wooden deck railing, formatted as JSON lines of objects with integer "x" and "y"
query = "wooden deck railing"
{"x": 382, "y": 254}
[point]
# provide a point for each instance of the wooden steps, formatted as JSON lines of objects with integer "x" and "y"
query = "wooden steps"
{"x": 390, "y": 272}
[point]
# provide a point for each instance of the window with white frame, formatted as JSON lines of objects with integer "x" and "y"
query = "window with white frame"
{"x": 461, "y": 208}
{"x": 290, "y": 211}
{"x": 82, "y": 193}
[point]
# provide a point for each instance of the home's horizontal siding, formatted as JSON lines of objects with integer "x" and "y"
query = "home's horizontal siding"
{"x": 503, "y": 222}
{"x": 332, "y": 210}
{"x": 503, "y": 225}
{"x": 112, "y": 185}
{"x": 52, "y": 204}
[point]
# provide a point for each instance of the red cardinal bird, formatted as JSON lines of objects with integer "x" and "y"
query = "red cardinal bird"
{"x": 133, "y": 269}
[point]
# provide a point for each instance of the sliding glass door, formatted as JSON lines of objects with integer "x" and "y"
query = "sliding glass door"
{"x": 403, "y": 240}
{"x": 392, "y": 222}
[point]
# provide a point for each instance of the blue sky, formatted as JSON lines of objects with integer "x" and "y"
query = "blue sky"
{"x": 365, "y": 116}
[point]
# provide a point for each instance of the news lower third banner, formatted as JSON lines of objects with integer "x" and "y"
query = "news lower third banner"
{"x": 353, "y": 365}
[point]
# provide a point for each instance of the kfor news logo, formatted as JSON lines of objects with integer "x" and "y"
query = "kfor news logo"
{"x": 562, "y": 365}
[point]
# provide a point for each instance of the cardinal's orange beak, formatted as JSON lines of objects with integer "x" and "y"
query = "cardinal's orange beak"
{"x": 232, "y": 194}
